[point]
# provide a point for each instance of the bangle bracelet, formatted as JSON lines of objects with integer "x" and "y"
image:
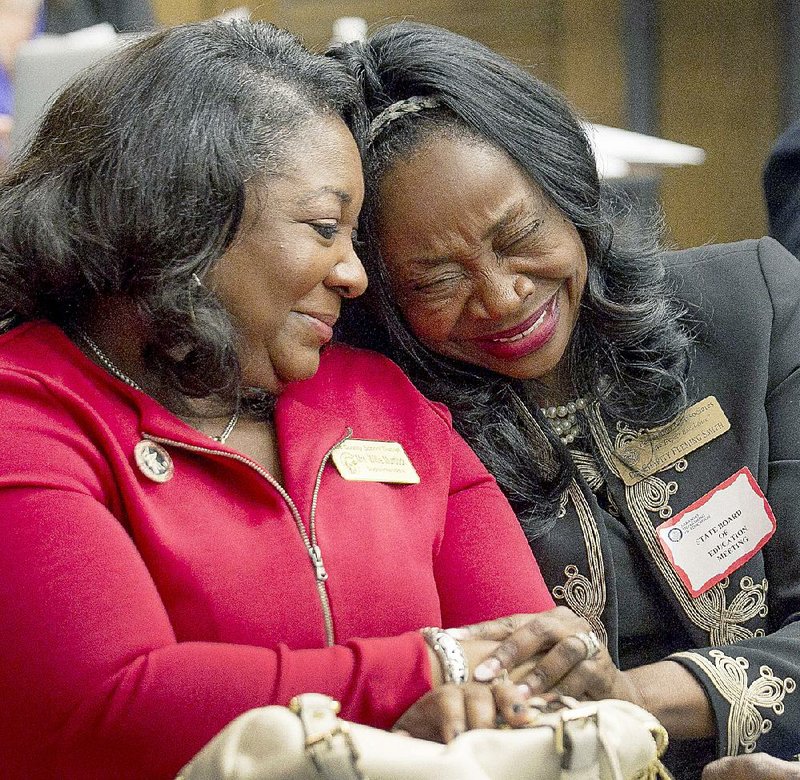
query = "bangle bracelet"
{"x": 450, "y": 654}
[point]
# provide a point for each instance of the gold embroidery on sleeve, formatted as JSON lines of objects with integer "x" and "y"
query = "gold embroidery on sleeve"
{"x": 709, "y": 611}
{"x": 729, "y": 676}
{"x": 586, "y": 596}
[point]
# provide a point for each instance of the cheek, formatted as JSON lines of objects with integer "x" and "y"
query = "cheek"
{"x": 580, "y": 280}
{"x": 430, "y": 322}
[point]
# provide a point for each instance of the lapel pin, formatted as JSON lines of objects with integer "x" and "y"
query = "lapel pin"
{"x": 153, "y": 461}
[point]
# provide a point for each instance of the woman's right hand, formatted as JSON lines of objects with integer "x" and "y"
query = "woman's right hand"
{"x": 512, "y": 659}
{"x": 449, "y": 709}
{"x": 545, "y": 652}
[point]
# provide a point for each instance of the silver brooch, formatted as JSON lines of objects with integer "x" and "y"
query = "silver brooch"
{"x": 153, "y": 461}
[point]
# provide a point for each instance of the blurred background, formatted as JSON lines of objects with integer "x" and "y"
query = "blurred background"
{"x": 723, "y": 75}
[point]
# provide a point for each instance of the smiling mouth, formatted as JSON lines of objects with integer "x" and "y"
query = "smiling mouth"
{"x": 529, "y": 329}
{"x": 526, "y": 332}
{"x": 527, "y": 337}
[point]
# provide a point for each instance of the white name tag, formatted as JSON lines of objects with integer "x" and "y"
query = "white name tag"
{"x": 718, "y": 533}
{"x": 361, "y": 460}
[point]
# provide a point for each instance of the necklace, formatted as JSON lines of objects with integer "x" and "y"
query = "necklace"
{"x": 112, "y": 368}
{"x": 564, "y": 419}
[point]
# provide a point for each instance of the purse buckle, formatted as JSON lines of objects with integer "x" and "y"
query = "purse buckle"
{"x": 327, "y": 739}
{"x": 575, "y": 728}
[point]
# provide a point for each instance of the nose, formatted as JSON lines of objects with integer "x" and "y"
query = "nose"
{"x": 498, "y": 293}
{"x": 348, "y": 276}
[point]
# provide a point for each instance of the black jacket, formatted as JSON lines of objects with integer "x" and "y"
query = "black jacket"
{"x": 741, "y": 638}
{"x": 782, "y": 189}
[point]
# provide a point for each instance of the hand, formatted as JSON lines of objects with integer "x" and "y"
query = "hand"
{"x": 544, "y": 652}
{"x": 757, "y": 766}
{"x": 448, "y": 710}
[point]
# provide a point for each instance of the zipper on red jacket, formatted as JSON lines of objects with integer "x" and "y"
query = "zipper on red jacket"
{"x": 309, "y": 538}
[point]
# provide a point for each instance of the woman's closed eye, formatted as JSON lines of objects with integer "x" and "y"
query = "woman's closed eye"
{"x": 522, "y": 237}
{"x": 434, "y": 285}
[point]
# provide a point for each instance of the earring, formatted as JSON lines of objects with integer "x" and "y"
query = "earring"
{"x": 196, "y": 280}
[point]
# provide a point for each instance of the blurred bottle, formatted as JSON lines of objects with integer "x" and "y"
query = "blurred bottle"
{"x": 347, "y": 29}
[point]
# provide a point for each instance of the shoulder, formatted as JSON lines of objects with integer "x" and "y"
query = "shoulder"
{"x": 747, "y": 270}
{"x": 58, "y": 438}
{"x": 356, "y": 379}
{"x": 28, "y": 363}
{"x": 37, "y": 348}
{"x": 711, "y": 254}
{"x": 364, "y": 363}
{"x": 787, "y": 145}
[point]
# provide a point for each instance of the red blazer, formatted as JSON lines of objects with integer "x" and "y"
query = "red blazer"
{"x": 137, "y": 618}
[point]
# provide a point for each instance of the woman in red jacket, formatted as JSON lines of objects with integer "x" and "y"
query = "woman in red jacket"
{"x": 200, "y": 511}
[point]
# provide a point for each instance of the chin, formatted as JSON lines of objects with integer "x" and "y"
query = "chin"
{"x": 300, "y": 372}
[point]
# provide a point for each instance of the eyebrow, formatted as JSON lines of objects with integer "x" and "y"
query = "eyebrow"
{"x": 513, "y": 213}
{"x": 344, "y": 197}
{"x": 516, "y": 211}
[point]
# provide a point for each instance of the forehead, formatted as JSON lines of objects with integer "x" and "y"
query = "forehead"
{"x": 321, "y": 163}
{"x": 452, "y": 187}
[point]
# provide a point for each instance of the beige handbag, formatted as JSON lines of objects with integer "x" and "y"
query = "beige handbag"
{"x": 604, "y": 740}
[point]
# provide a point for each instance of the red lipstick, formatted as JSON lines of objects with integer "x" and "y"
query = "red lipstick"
{"x": 525, "y": 338}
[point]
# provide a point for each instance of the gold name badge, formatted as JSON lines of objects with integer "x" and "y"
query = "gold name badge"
{"x": 657, "y": 450}
{"x": 361, "y": 460}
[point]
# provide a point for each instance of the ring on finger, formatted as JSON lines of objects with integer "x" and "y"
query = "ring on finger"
{"x": 591, "y": 642}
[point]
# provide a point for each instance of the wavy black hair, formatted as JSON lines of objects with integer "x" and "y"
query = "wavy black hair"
{"x": 630, "y": 346}
{"x": 136, "y": 181}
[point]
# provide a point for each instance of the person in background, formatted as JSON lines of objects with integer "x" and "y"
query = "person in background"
{"x": 63, "y": 16}
{"x": 19, "y": 21}
{"x": 202, "y": 510}
{"x": 782, "y": 189}
{"x": 637, "y": 407}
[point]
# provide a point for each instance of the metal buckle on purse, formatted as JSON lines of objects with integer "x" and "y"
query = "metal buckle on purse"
{"x": 575, "y": 730}
{"x": 328, "y": 741}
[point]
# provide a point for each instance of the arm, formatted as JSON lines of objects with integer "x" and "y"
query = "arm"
{"x": 93, "y": 679}
{"x": 484, "y": 567}
{"x": 758, "y": 766}
{"x": 752, "y": 685}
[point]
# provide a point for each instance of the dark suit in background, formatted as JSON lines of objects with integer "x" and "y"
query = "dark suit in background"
{"x": 63, "y": 16}
{"x": 782, "y": 189}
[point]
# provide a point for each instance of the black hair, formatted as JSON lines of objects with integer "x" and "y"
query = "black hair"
{"x": 630, "y": 346}
{"x": 135, "y": 182}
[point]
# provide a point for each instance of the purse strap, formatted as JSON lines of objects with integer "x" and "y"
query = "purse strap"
{"x": 327, "y": 739}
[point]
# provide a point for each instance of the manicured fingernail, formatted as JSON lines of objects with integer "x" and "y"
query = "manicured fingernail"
{"x": 487, "y": 670}
{"x": 458, "y": 633}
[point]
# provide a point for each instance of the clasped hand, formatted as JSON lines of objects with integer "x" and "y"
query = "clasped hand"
{"x": 512, "y": 659}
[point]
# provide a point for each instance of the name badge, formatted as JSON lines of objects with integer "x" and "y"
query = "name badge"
{"x": 718, "y": 533}
{"x": 361, "y": 460}
{"x": 647, "y": 454}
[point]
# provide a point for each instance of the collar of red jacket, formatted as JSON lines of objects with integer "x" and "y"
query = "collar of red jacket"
{"x": 306, "y": 430}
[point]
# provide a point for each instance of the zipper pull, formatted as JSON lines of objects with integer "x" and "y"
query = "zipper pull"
{"x": 319, "y": 566}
